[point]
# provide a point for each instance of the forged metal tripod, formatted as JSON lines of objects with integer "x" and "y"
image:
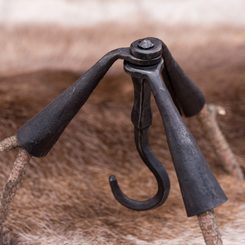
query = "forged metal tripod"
{"x": 153, "y": 71}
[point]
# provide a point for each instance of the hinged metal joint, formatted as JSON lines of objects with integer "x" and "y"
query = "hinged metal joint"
{"x": 153, "y": 71}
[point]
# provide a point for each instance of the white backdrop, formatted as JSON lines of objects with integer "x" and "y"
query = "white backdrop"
{"x": 91, "y": 12}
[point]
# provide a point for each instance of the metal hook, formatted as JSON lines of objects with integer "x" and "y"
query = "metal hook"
{"x": 200, "y": 189}
{"x": 142, "y": 118}
{"x": 149, "y": 62}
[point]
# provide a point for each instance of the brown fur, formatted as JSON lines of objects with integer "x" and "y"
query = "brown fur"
{"x": 65, "y": 197}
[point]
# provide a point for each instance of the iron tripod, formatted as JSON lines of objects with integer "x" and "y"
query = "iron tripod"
{"x": 153, "y": 71}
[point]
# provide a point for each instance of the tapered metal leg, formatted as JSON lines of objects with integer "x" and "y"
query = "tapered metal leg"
{"x": 200, "y": 189}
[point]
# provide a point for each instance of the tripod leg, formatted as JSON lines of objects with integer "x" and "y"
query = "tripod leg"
{"x": 207, "y": 118}
{"x": 200, "y": 190}
{"x": 209, "y": 228}
{"x": 8, "y": 143}
{"x": 10, "y": 188}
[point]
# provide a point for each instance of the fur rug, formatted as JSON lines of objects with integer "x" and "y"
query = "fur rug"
{"x": 65, "y": 198}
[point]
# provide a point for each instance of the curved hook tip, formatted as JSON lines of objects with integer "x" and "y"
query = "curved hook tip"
{"x": 114, "y": 185}
{"x": 134, "y": 204}
{"x": 112, "y": 178}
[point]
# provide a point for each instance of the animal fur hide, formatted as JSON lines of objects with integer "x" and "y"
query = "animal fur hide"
{"x": 65, "y": 198}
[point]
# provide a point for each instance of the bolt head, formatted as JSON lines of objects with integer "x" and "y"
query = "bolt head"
{"x": 145, "y": 44}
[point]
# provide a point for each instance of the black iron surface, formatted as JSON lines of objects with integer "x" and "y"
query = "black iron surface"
{"x": 153, "y": 70}
{"x": 38, "y": 135}
{"x": 142, "y": 118}
{"x": 200, "y": 189}
{"x": 186, "y": 95}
